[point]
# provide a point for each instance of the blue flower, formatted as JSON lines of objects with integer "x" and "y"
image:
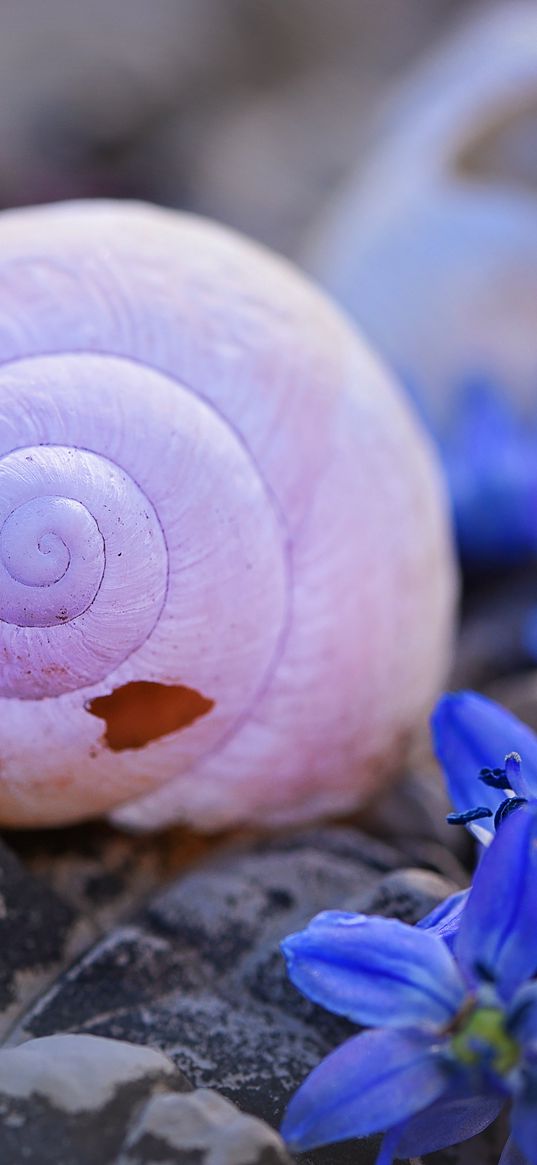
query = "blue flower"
{"x": 480, "y": 745}
{"x": 445, "y": 919}
{"x": 488, "y": 450}
{"x": 487, "y": 446}
{"x": 454, "y": 1035}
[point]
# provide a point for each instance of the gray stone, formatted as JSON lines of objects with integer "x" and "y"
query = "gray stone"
{"x": 200, "y": 1128}
{"x": 39, "y": 935}
{"x": 70, "y": 1099}
{"x": 199, "y": 975}
{"x": 81, "y": 1099}
{"x": 406, "y": 894}
{"x": 103, "y": 874}
{"x": 412, "y": 816}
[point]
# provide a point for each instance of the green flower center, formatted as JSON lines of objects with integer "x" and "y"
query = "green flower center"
{"x": 481, "y": 1039}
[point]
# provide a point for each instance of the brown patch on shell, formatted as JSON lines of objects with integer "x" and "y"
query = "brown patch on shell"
{"x": 140, "y": 712}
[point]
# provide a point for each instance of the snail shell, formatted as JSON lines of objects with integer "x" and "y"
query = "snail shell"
{"x": 432, "y": 246}
{"x": 226, "y": 580}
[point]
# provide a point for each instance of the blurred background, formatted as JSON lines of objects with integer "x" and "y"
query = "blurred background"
{"x": 252, "y": 111}
{"x": 390, "y": 148}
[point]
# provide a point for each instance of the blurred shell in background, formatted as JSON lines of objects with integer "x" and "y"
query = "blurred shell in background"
{"x": 432, "y": 247}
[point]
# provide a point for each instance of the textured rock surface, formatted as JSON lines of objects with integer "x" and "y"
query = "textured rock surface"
{"x": 412, "y": 815}
{"x": 101, "y": 873}
{"x": 197, "y": 973}
{"x": 407, "y": 894}
{"x": 70, "y": 1099}
{"x": 200, "y": 1129}
{"x": 39, "y": 934}
{"x": 78, "y": 1100}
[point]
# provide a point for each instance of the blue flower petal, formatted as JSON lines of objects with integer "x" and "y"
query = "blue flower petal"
{"x": 389, "y": 1145}
{"x": 444, "y": 920}
{"x": 497, "y": 937}
{"x": 470, "y": 733}
{"x": 522, "y": 1015}
{"x": 376, "y": 971}
{"x": 371, "y": 1082}
{"x": 524, "y": 1115}
{"x": 512, "y": 1155}
{"x": 451, "y": 1119}
{"x": 489, "y": 457}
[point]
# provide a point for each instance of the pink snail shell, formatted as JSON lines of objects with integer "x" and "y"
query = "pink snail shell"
{"x": 226, "y": 580}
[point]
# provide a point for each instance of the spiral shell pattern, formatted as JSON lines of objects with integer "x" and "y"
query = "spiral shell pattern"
{"x": 184, "y": 454}
{"x": 69, "y": 517}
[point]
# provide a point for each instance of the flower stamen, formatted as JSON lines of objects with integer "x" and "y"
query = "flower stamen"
{"x": 510, "y": 781}
{"x": 481, "y": 1040}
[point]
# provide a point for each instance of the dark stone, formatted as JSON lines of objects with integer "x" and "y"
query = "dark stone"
{"x": 188, "y": 1129}
{"x": 412, "y": 816}
{"x": 70, "y": 1100}
{"x": 104, "y": 874}
{"x": 198, "y": 973}
{"x": 76, "y": 1100}
{"x": 406, "y": 894}
{"x": 39, "y": 935}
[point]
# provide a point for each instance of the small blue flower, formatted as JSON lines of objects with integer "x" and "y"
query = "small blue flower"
{"x": 488, "y": 451}
{"x": 454, "y": 1035}
{"x": 473, "y": 737}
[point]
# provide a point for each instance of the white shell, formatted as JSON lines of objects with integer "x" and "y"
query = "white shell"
{"x": 432, "y": 246}
{"x": 207, "y": 483}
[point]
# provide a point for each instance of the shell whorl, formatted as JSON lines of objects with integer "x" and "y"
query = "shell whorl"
{"x": 128, "y": 510}
{"x": 74, "y": 602}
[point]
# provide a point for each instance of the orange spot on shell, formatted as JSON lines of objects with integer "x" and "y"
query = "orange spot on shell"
{"x": 140, "y": 712}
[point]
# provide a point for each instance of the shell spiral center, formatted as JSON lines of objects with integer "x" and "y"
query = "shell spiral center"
{"x": 83, "y": 568}
{"x": 52, "y": 546}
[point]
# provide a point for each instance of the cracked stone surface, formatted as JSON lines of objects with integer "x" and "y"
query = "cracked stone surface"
{"x": 77, "y": 1099}
{"x": 39, "y": 934}
{"x": 196, "y": 970}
